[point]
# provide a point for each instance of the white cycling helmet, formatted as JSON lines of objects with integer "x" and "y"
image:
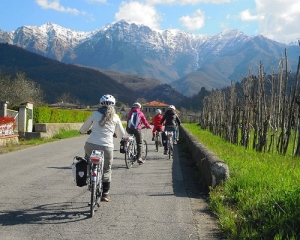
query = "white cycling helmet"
{"x": 172, "y": 107}
{"x": 136, "y": 104}
{"x": 158, "y": 111}
{"x": 107, "y": 100}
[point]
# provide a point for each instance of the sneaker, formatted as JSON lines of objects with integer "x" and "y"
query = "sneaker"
{"x": 165, "y": 152}
{"x": 152, "y": 138}
{"x": 140, "y": 160}
{"x": 175, "y": 142}
{"x": 105, "y": 197}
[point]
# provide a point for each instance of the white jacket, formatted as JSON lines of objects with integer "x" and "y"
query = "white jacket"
{"x": 102, "y": 135}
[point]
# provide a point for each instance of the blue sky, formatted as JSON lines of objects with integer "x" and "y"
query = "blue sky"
{"x": 275, "y": 19}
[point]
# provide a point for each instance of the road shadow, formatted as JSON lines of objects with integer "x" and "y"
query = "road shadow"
{"x": 55, "y": 213}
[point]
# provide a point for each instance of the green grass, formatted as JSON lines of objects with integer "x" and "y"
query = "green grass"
{"x": 262, "y": 197}
{"x": 23, "y": 143}
{"x": 66, "y": 134}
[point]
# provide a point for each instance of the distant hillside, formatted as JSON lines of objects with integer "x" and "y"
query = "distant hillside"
{"x": 85, "y": 85}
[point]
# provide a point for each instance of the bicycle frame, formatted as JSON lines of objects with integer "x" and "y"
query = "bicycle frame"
{"x": 131, "y": 149}
{"x": 95, "y": 163}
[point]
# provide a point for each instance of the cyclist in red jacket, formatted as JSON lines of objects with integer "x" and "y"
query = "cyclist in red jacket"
{"x": 156, "y": 122}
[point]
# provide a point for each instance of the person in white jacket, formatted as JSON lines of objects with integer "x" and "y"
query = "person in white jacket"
{"x": 103, "y": 124}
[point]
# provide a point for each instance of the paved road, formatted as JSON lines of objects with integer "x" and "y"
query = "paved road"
{"x": 158, "y": 200}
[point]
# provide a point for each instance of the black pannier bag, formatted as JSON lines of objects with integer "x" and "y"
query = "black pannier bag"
{"x": 81, "y": 173}
{"x": 123, "y": 144}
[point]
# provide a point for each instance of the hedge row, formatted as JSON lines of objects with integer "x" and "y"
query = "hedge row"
{"x": 54, "y": 115}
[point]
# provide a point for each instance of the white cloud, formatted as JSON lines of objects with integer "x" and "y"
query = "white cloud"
{"x": 247, "y": 16}
{"x": 139, "y": 13}
{"x": 96, "y": 1}
{"x": 55, "y": 5}
{"x": 187, "y": 2}
{"x": 277, "y": 19}
{"x": 195, "y": 21}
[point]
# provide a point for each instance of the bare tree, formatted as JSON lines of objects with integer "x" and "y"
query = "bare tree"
{"x": 20, "y": 90}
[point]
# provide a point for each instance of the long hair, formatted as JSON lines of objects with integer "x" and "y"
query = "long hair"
{"x": 108, "y": 115}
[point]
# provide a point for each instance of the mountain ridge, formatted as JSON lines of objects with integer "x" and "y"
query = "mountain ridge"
{"x": 170, "y": 56}
{"x": 85, "y": 85}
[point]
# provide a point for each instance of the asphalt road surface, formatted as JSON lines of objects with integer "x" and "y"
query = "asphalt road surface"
{"x": 161, "y": 199}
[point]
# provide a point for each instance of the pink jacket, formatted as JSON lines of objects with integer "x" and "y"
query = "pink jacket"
{"x": 143, "y": 118}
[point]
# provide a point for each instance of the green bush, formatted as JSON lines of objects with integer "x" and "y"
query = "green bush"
{"x": 54, "y": 115}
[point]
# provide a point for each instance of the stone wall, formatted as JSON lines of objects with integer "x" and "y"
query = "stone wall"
{"x": 9, "y": 139}
{"x": 47, "y": 130}
{"x": 212, "y": 168}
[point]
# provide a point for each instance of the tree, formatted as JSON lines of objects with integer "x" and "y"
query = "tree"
{"x": 20, "y": 90}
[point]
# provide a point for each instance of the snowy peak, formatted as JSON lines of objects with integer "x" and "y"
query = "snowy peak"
{"x": 166, "y": 55}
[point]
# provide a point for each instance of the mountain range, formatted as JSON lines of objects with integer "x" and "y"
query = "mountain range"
{"x": 84, "y": 85}
{"x": 183, "y": 60}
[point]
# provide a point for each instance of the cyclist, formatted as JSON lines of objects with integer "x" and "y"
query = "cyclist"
{"x": 171, "y": 122}
{"x": 104, "y": 123}
{"x": 136, "y": 108}
{"x": 156, "y": 122}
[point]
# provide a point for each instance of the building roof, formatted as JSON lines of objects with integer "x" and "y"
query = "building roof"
{"x": 155, "y": 104}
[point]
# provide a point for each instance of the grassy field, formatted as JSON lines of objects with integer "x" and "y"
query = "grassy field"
{"x": 262, "y": 197}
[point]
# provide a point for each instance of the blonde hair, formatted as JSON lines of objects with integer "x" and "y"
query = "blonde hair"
{"x": 108, "y": 115}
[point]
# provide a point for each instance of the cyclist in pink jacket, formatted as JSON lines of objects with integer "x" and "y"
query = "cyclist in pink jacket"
{"x": 134, "y": 119}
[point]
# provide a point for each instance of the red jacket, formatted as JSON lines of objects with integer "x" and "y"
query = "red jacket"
{"x": 156, "y": 121}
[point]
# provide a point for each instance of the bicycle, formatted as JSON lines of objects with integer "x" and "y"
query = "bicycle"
{"x": 94, "y": 180}
{"x": 169, "y": 143}
{"x": 131, "y": 149}
{"x": 157, "y": 140}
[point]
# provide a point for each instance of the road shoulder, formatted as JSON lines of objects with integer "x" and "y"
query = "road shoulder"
{"x": 206, "y": 222}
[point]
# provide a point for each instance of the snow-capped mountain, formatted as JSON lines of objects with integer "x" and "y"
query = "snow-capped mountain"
{"x": 170, "y": 56}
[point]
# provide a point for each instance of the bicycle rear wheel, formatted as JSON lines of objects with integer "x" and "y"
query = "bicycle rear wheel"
{"x": 93, "y": 199}
{"x": 96, "y": 187}
{"x": 156, "y": 145}
{"x": 170, "y": 149}
{"x": 144, "y": 150}
{"x": 128, "y": 156}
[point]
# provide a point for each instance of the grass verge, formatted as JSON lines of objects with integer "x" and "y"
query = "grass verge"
{"x": 262, "y": 197}
{"x": 23, "y": 143}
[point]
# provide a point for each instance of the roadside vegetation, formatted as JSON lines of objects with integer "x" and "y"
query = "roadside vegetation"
{"x": 23, "y": 143}
{"x": 262, "y": 197}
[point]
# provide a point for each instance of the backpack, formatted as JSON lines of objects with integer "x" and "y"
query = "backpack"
{"x": 134, "y": 120}
{"x": 79, "y": 170}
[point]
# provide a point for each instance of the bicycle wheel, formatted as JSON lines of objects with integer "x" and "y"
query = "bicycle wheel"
{"x": 156, "y": 143}
{"x": 144, "y": 150}
{"x": 95, "y": 188}
{"x": 99, "y": 189}
{"x": 93, "y": 199}
{"x": 129, "y": 155}
{"x": 170, "y": 148}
